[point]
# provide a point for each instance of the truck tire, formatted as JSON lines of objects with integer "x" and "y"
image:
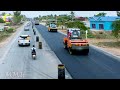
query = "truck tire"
{"x": 65, "y": 45}
{"x": 86, "y": 51}
{"x": 70, "y": 51}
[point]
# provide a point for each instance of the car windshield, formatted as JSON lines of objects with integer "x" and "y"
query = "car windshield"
{"x": 23, "y": 37}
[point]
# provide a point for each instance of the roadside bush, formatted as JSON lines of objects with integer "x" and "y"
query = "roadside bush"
{"x": 10, "y": 30}
{"x": 3, "y": 35}
{"x": 102, "y": 35}
{"x": 101, "y": 32}
{"x": 90, "y": 34}
{"x": 8, "y": 23}
{"x": 2, "y": 21}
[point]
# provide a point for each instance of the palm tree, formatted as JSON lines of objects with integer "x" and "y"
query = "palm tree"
{"x": 100, "y": 14}
{"x": 72, "y": 15}
{"x": 17, "y": 13}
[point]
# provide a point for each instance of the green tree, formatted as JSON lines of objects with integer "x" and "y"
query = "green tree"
{"x": 62, "y": 19}
{"x": 2, "y": 21}
{"x": 24, "y": 17}
{"x": 17, "y": 13}
{"x": 3, "y": 13}
{"x": 100, "y": 14}
{"x": 40, "y": 17}
{"x": 118, "y": 13}
{"x": 77, "y": 24}
{"x": 17, "y": 17}
{"x": 72, "y": 15}
{"x": 116, "y": 28}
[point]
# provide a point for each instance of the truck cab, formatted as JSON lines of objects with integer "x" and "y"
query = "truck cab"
{"x": 74, "y": 41}
{"x": 36, "y": 22}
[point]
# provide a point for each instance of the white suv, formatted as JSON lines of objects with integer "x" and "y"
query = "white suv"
{"x": 24, "y": 40}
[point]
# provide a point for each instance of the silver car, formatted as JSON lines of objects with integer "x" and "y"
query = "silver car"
{"x": 26, "y": 28}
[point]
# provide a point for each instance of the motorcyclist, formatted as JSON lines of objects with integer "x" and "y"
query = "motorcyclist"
{"x": 33, "y": 50}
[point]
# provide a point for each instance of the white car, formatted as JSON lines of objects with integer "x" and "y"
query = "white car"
{"x": 24, "y": 40}
{"x": 26, "y": 28}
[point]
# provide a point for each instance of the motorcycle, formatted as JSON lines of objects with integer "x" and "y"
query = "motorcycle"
{"x": 34, "y": 55}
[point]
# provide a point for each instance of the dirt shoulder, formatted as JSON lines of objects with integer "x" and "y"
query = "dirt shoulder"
{"x": 7, "y": 39}
{"x": 109, "y": 45}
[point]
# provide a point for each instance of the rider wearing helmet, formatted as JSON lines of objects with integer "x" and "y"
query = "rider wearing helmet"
{"x": 33, "y": 50}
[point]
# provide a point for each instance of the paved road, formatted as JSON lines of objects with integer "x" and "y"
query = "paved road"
{"x": 96, "y": 65}
{"x": 16, "y": 62}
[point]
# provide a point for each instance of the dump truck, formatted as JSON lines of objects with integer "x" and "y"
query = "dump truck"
{"x": 74, "y": 41}
{"x": 52, "y": 27}
{"x": 36, "y": 22}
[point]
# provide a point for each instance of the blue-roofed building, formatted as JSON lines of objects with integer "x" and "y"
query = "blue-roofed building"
{"x": 102, "y": 23}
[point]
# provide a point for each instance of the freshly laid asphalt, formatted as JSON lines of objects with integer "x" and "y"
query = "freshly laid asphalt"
{"x": 97, "y": 65}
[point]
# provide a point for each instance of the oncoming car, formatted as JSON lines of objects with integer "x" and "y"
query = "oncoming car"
{"x": 24, "y": 40}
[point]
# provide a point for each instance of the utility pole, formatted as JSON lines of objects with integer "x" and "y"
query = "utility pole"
{"x": 86, "y": 33}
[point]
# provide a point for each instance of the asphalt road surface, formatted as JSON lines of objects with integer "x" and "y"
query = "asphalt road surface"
{"x": 96, "y": 65}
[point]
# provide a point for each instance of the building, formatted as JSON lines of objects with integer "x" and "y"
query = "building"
{"x": 81, "y": 18}
{"x": 7, "y": 17}
{"x": 102, "y": 23}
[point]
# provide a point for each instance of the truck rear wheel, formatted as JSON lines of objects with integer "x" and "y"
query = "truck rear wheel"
{"x": 65, "y": 45}
{"x": 86, "y": 51}
{"x": 70, "y": 51}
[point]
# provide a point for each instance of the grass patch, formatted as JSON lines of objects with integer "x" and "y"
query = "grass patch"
{"x": 109, "y": 44}
{"x": 102, "y": 35}
{"x": 4, "y": 35}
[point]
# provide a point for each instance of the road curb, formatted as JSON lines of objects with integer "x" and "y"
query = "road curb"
{"x": 62, "y": 32}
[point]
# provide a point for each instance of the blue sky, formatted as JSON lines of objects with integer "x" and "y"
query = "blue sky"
{"x": 32, "y": 14}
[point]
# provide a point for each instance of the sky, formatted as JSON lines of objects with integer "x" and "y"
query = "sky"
{"x": 31, "y": 14}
